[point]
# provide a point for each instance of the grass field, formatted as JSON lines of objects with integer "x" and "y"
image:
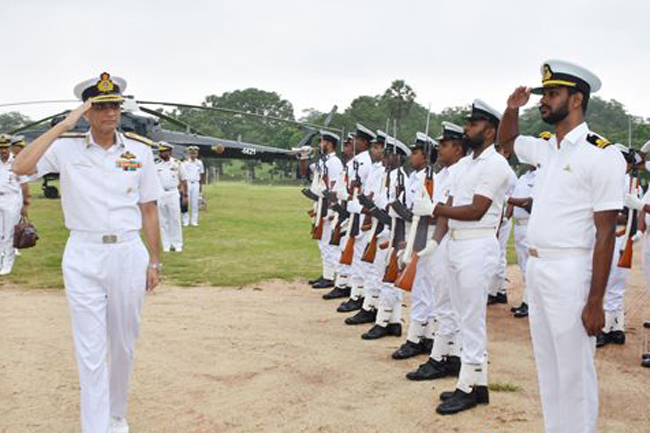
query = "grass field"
{"x": 248, "y": 234}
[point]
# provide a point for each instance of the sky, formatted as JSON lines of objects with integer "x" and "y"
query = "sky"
{"x": 321, "y": 53}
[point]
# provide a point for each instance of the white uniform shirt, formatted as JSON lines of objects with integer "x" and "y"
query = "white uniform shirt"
{"x": 572, "y": 183}
{"x": 393, "y": 184}
{"x": 486, "y": 176}
{"x": 334, "y": 169}
{"x": 524, "y": 189}
{"x": 374, "y": 185}
{"x": 101, "y": 189}
{"x": 443, "y": 182}
{"x": 169, "y": 174}
{"x": 191, "y": 171}
{"x": 10, "y": 183}
{"x": 364, "y": 167}
{"x": 414, "y": 186}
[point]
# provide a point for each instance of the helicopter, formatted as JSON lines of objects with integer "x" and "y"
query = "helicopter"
{"x": 134, "y": 120}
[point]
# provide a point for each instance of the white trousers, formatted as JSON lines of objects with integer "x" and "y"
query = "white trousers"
{"x": 373, "y": 281}
{"x": 422, "y": 293}
{"x": 472, "y": 265}
{"x": 446, "y": 315}
{"x": 521, "y": 247}
{"x": 390, "y": 297}
{"x": 615, "y": 292}
{"x": 564, "y": 353}
{"x": 499, "y": 279}
{"x": 169, "y": 212}
{"x": 9, "y": 216}
{"x": 359, "y": 269}
{"x": 646, "y": 261}
{"x": 329, "y": 253}
{"x": 105, "y": 286}
{"x": 192, "y": 215}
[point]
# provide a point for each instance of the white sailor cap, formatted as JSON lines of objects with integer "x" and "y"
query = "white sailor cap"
{"x": 364, "y": 132}
{"x": 104, "y": 88}
{"x": 396, "y": 146}
{"x": 381, "y": 136}
{"x": 163, "y": 146}
{"x": 5, "y": 140}
{"x": 330, "y": 136}
{"x": 193, "y": 149}
{"x": 349, "y": 137}
{"x": 18, "y": 140}
{"x": 482, "y": 111}
{"x": 562, "y": 73}
{"x": 451, "y": 131}
{"x": 421, "y": 137}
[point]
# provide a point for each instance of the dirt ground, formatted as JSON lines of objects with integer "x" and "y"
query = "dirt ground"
{"x": 275, "y": 357}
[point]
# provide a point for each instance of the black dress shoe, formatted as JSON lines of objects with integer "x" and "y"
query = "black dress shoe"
{"x": 337, "y": 293}
{"x": 432, "y": 369}
{"x": 645, "y": 360}
{"x": 323, "y": 284}
{"x": 601, "y": 339}
{"x": 616, "y": 337}
{"x": 522, "y": 311}
{"x": 376, "y": 332}
{"x": 362, "y": 316}
{"x": 515, "y": 307}
{"x": 409, "y": 350}
{"x": 350, "y": 305}
{"x": 646, "y": 325}
{"x": 315, "y": 280}
{"x": 459, "y": 401}
{"x": 427, "y": 345}
{"x": 499, "y": 298}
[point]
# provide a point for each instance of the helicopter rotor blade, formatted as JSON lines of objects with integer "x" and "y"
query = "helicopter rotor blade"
{"x": 173, "y": 120}
{"x": 38, "y": 122}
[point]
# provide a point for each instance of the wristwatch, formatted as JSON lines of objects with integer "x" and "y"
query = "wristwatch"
{"x": 157, "y": 266}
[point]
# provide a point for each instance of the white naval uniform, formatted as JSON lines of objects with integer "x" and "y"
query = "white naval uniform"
{"x": 572, "y": 183}
{"x": 343, "y": 272}
{"x": 330, "y": 254}
{"x": 390, "y": 298}
{"x": 104, "y": 263}
{"x": 422, "y": 291}
{"x": 523, "y": 189}
{"x": 447, "y": 341}
{"x": 473, "y": 257}
{"x": 499, "y": 281}
{"x": 191, "y": 171}
{"x": 615, "y": 291}
{"x": 359, "y": 268}
{"x": 169, "y": 206}
{"x": 11, "y": 202}
{"x": 372, "y": 283}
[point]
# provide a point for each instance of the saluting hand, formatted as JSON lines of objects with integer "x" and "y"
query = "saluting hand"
{"x": 519, "y": 97}
{"x": 73, "y": 117}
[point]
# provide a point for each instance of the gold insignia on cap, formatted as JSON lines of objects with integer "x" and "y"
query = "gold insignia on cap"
{"x": 105, "y": 84}
{"x": 546, "y": 135}
{"x": 547, "y": 74}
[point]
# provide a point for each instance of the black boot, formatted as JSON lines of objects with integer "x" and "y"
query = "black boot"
{"x": 602, "y": 339}
{"x": 337, "y": 293}
{"x": 409, "y": 350}
{"x": 432, "y": 369}
{"x": 427, "y": 345}
{"x": 323, "y": 284}
{"x": 459, "y": 401}
{"x": 499, "y": 298}
{"x": 616, "y": 337}
{"x": 377, "y": 332}
{"x": 646, "y": 325}
{"x": 522, "y": 311}
{"x": 350, "y": 305}
{"x": 315, "y": 280}
{"x": 362, "y": 316}
{"x": 645, "y": 360}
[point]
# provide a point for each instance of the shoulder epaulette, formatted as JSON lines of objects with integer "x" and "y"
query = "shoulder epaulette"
{"x": 598, "y": 141}
{"x": 140, "y": 138}
{"x": 73, "y": 134}
{"x": 546, "y": 135}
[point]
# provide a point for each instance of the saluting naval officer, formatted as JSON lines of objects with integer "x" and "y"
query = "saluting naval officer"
{"x": 169, "y": 205}
{"x": 11, "y": 203}
{"x": 571, "y": 235}
{"x": 472, "y": 216}
{"x": 193, "y": 172}
{"x": 109, "y": 190}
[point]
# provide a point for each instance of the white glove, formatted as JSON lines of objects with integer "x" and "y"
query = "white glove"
{"x": 354, "y": 206}
{"x": 401, "y": 260}
{"x": 431, "y": 248}
{"x": 342, "y": 194}
{"x": 423, "y": 206}
{"x": 303, "y": 152}
{"x": 330, "y": 214}
{"x": 646, "y": 147}
{"x": 633, "y": 202}
{"x": 392, "y": 213}
{"x": 637, "y": 236}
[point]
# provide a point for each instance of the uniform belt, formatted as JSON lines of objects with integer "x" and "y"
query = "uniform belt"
{"x": 104, "y": 238}
{"x": 523, "y": 222}
{"x": 557, "y": 253}
{"x": 459, "y": 235}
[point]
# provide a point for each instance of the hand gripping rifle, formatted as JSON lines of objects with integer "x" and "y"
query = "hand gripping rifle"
{"x": 398, "y": 232}
{"x": 625, "y": 260}
{"x": 341, "y": 212}
{"x": 353, "y": 224}
{"x": 377, "y": 227}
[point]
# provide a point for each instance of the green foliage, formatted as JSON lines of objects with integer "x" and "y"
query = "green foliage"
{"x": 12, "y": 120}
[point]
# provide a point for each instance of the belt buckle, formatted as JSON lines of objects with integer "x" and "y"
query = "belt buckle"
{"x": 533, "y": 252}
{"x": 109, "y": 239}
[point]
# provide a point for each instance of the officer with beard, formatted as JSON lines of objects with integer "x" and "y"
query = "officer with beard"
{"x": 471, "y": 216}
{"x": 571, "y": 236}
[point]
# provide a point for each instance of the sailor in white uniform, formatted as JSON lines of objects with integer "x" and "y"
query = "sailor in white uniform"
{"x": 169, "y": 205}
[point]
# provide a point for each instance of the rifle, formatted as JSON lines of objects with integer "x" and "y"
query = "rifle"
{"x": 625, "y": 261}
{"x": 417, "y": 238}
{"x": 377, "y": 227}
{"x": 398, "y": 231}
{"x": 321, "y": 211}
{"x": 353, "y": 226}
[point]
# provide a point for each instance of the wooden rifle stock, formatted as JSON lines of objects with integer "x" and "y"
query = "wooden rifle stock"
{"x": 371, "y": 250}
{"x": 348, "y": 252}
{"x": 406, "y": 278}
{"x": 625, "y": 261}
{"x": 317, "y": 230}
{"x": 392, "y": 270}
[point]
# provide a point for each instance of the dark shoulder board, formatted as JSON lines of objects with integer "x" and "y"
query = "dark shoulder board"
{"x": 140, "y": 138}
{"x": 598, "y": 141}
{"x": 73, "y": 134}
